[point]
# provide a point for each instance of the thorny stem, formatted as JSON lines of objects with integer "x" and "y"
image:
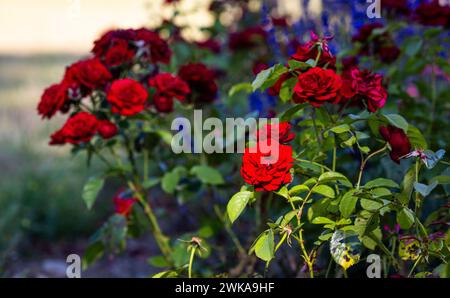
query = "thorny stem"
{"x": 364, "y": 161}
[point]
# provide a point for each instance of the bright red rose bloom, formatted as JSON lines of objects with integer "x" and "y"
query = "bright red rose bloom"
{"x": 107, "y": 129}
{"x": 281, "y": 132}
{"x": 362, "y": 85}
{"x": 119, "y": 54}
{"x": 267, "y": 176}
{"x": 127, "y": 97}
{"x": 163, "y": 103}
{"x": 309, "y": 51}
{"x": 52, "y": 100}
{"x": 109, "y": 38}
{"x": 79, "y": 128}
{"x": 123, "y": 206}
{"x": 318, "y": 86}
{"x": 91, "y": 73}
{"x": 397, "y": 139}
{"x": 200, "y": 80}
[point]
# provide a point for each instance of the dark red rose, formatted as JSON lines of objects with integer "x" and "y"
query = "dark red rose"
{"x": 123, "y": 205}
{"x": 433, "y": 14}
{"x": 397, "y": 139}
{"x": 90, "y": 73}
{"x": 388, "y": 53}
{"x": 107, "y": 129}
{"x": 159, "y": 49}
{"x": 280, "y": 22}
{"x": 349, "y": 62}
{"x": 109, "y": 38}
{"x": 170, "y": 85}
{"x": 52, "y": 100}
{"x": 79, "y": 128}
{"x": 119, "y": 54}
{"x": 396, "y": 6}
{"x": 281, "y": 133}
{"x": 381, "y": 45}
{"x": 210, "y": 44}
{"x": 247, "y": 38}
{"x": 318, "y": 86}
{"x": 200, "y": 80}
{"x": 267, "y": 176}
{"x": 258, "y": 67}
{"x": 163, "y": 103}
{"x": 127, "y": 97}
{"x": 362, "y": 85}
{"x": 309, "y": 51}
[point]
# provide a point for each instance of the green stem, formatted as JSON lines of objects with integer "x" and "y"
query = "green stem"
{"x": 316, "y": 131}
{"x": 414, "y": 266}
{"x": 191, "y": 260}
{"x": 364, "y": 162}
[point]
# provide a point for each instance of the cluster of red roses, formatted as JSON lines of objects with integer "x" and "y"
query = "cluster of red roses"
{"x": 321, "y": 84}
{"x": 108, "y": 78}
{"x": 264, "y": 174}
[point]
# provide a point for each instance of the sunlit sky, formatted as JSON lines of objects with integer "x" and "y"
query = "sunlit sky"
{"x": 31, "y": 26}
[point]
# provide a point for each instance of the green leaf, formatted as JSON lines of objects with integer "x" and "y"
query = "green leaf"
{"x": 150, "y": 182}
{"x": 241, "y": 87}
{"x": 295, "y": 64}
{"x": 268, "y": 77}
{"x": 381, "y": 182}
{"x": 92, "y": 254}
{"x": 298, "y": 189}
{"x": 158, "y": 261}
{"x": 416, "y": 138}
{"x": 287, "y": 89}
{"x": 324, "y": 190}
{"x": 91, "y": 190}
{"x": 348, "y": 203}
{"x": 320, "y": 220}
{"x": 397, "y": 121}
{"x": 338, "y": 129}
{"x": 170, "y": 181}
{"x": 345, "y": 248}
{"x": 424, "y": 189}
{"x": 334, "y": 176}
{"x": 237, "y": 204}
{"x": 288, "y": 114}
{"x": 207, "y": 175}
{"x": 413, "y": 45}
{"x": 264, "y": 246}
{"x": 407, "y": 185}
{"x": 405, "y": 218}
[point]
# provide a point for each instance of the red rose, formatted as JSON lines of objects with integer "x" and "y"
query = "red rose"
{"x": 282, "y": 132}
{"x": 209, "y": 44}
{"x": 317, "y": 86}
{"x": 91, "y": 73}
{"x": 309, "y": 51}
{"x": 107, "y": 129}
{"x": 200, "y": 80}
{"x": 123, "y": 205}
{"x": 102, "y": 44}
{"x": 263, "y": 176}
{"x": 163, "y": 103}
{"x": 127, "y": 97}
{"x": 247, "y": 38}
{"x": 364, "y": 86}
{"x": 397, "y": 139}
{"x": 396, "y": 6}
{"x": 276, "y": 88}
{"x": 433, "y": 14}
{"x": 79, "y": 128}
{"x": 52, "y": 100}
{"x": 119, "y": 54}
{"x": 170, "y": 85}
{"x": 159, "y": 49}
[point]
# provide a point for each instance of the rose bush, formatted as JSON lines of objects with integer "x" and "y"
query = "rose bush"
{"x": 329, "y": 196}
